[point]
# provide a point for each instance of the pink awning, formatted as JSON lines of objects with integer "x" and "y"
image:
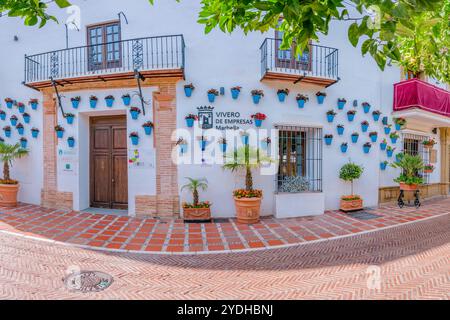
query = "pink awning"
{"x": 419, "y": 94}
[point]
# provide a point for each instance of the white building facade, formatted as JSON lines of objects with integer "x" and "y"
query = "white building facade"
{"x": 113, "y": 39}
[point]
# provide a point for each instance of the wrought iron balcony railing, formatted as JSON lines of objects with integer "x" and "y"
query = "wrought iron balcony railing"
{"x": 317, "y": 64}
{"x": 161, "y": 53}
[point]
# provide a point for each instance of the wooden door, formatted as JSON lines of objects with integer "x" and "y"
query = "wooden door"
{"x": 109, "y": 163}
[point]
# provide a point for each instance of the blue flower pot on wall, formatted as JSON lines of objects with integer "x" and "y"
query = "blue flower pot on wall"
{"x": 93, "y": 103}
{"x": 258, "y": 123}
{"x": 23, "y": 144}
{"x": 366, "y": 149}
{"x": 383, "y": 146}
{"x": 328, "y": 141}
{"x": 60, "y": 134}
{"x": 256, "y": 98}
{"x": 374, "y": 138}
{"x": 301, "y": 103}
{"x": 350, "y": 117}
{"x": 148, "y": 130}
{"x": 364, "y": 127}
{"x": 13, "y": 122}
{"x": 34, "y": 105}
{"x": 134, "y": 115}
{"x": 75, "y": 104}
{"x": 223, "y": 147}
{"x": 8, "y": 133}
{"x": 134, "y": 141}
{"x": 383, "y": 166}
{"x": 21, "y": 131}
{"x": 341, "y": 105}
{"x": 3, "y": 116}
{"x": 34, "y": 134}
{"x": 9, "y": 104}
{"x": 109, "y": 102}
{"x": 235, "y": 94}
{"x": 366, "y": 108}
{"x": 126, "y": 101}
{"x": 188, "y": 91}
{"x": 390, "y": 153}
{"x": 245, "y": 140}
{"x": 394, "y": 140}
{"x": 330, "y": 118}
{"x": 22, "y": 109}
{"x": 211, "y": 97}
{"x": 340, "y": 130}
{"x": 344, "y": 148}
{"x": 387, "y": 130}
{"x": 26, "y": 119}
{"x": 282, "y": 96}
{"x": 71, "y": 143}
{"x": 355, "y": 138}
{"x": 70, "y": 120}
{"x": 376, "y": 117}
{"x": 398, "y": 127}
{"x": 190, "y": 123}
{"x": 385, "y": 121}
{"x": 320, "y": 99}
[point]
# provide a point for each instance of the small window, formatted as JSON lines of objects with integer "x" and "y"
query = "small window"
{"x": 300, "y": 159}
{"x": 104, "y": 46}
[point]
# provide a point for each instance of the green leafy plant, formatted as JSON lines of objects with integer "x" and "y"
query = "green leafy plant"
{"x": 351, "y": 172}
{"x": 194, "y": 186}
{"x": 9, "y": 153}
{"x": 411, "y": 167}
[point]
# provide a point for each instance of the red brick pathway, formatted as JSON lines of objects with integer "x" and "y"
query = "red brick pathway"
{"x": 173, "y": 236}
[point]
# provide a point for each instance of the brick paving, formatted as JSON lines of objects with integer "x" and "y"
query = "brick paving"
{"x": 413, "y": 261}
{"x": 113, "y": 232}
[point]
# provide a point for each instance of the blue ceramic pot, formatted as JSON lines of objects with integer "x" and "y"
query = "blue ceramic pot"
{"x": 109, "y": 102}
{"x": 235, "y": 94}
{"x": 27, "y": 119}
{"x": 13, "y": 122}
{"x": 355, "y": 138}
{"x": 135, "y": 141}
{"x": 22, "y": 109}
{"x": 8, "y": 133}
{"x": 367, "y": 109}
{"x": 330, "y": 118}
{"x": 282, "y": 96}
{"x": 258, "y": 123}
{"x": 188, "y": 92}
{"x": 35, "y": 134}
{"x": 3, "y": 116}
{"x": 301, "y": 103}
{"x": 256, "y": 98}
{"x": 223, "y": 147}
{"x": 394, "y": 140}
{"x": 134, "y": 115}
{"x": 398, "y": 127}
{"x": 390, "y": 153}
{"x": 21, "y": 131}
{"x": 34, "y": 105}
{"x": 75, "y": 104}
{"x": 366, "y": 149}
{"x": 344, "y": 148}
{"x": 148, "y": 130}
{"x": 93, "y": 103}
{"x": 374, "y": 138}
{"x": 387, "y": 130}
{"x": 320, "y": 99}
{"x": 60, "y": 134}
{"x": 376, "y": 117}
{"x": 383, "y": 166}
{"x": 385, "y": 121}
{"x": 211, "y": 97}
{"x": 9, "y": 104}
{"x": 365, "y": 127}
{"x": 340, "y": 130}
{"x": 350, "y": 117}
{"x": 126, "y": 101}
{"x": 245, "y": 140}
{"x": 71, "y": 143}
{"x": 203, "y": 144}
{"x": 383, "y": 146}
{"x": 328, "y": 141}
{"x": 341, "y": 105}
{"x": 70, "y": 120}
{"x": 23, "y": 144}
{"x": 190, "y": 123}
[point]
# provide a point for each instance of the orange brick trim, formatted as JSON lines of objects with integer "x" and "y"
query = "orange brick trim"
{"x": 146, "y": 206}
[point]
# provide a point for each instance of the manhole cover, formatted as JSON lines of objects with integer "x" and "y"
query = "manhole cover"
{"x": 363, "y": 215}
{"x": 88, "y": 281}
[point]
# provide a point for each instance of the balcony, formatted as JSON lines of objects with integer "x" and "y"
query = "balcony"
{"x": 318, "y": 65}
{"x": 162, "y": 56}
{"x": 422, "y": 103}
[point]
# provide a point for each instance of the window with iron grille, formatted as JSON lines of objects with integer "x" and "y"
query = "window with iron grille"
{"x": 413, "y": 145}
{"x": 300, "y": 159}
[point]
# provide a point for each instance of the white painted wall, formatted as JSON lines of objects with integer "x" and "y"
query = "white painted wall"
{"x": 212, "y": 61}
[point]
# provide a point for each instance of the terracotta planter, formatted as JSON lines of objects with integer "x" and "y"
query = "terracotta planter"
{"x": 248, "y": 210}
{"x": 203, "y": 214}
{"x": 409, "y": 187}
{"x": 428, "y": 171}
{"x": 354, "y": 205}
{"x": 428, "y": 146}
{"x": 8, "y": 195}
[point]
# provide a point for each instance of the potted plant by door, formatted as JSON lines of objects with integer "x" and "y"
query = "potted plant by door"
{"x": 8, "y": 187}
{"x": 126, "y": 98}
{"x": 248, "y": 200}
{"x": 301, "y": 100}
{"x": 428, "y": 169}
{"x": 282, "y": 94}
{"x": 235, "y": 91}
{"x": 75, "y": 102}
{"x": 349, "y": 173}
{"x": 429, "y": 143}
{"x": 196, "y": 211}
{"x": 321, "y": 97}
{"x": 33, "y": 103}
{"x": 188, "y": 89}
{"x": 411, "y": 166}
{"x": 257, "y": 95}
{"x": 212, "y": 94}
{"x": 109, "y": 101}
{"x": 148, "y": 128}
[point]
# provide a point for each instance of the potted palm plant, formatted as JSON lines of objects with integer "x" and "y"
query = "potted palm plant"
{"x": 8, "y": 187}
{"x": 349, "y": 173}
{"x": 248, "y": 200}
{"x": 196, "y": 211}
{"x": 411, "y": 167}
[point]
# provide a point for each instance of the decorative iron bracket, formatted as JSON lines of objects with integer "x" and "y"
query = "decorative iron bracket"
{"x": 58, "y": 96}
{"x": 139, "y": 77}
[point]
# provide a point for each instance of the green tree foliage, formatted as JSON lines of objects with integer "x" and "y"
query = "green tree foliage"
{"x": 351, "y": 172}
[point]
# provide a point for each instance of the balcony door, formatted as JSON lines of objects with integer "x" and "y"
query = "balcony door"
{"x": 289, "y": 59}
{"x": 104, "y": 46}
